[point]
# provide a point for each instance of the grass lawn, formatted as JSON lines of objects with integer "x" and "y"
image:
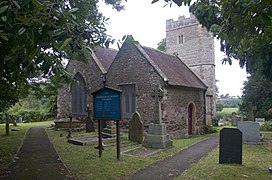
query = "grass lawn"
{"x": 256, "y": 159}
{"x": 227, "y": 111}
{"x": 84, "y": 161}
{"x": 10, "y": 144}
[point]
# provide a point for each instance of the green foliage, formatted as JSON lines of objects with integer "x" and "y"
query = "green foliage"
{"x": 229, "y": 102}
{"x": 209, "y": 129}
{"x": 37, "y": 106}
{"x": 267, "y": 126}
{"x": 35, "y": 37}
{"x": 219, "y": 105}
{"x": 162, "y": 45}
{"x": 226, "y": 113}
{"x": 257, "y": 91}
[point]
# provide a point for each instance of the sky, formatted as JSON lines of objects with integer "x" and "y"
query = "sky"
{"x": 146, "y": 22}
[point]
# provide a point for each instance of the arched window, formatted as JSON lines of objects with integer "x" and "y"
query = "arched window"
{"x": 79, "y": 95}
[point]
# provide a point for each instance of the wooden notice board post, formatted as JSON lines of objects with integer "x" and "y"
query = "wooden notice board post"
{"x": 107, "y": 106}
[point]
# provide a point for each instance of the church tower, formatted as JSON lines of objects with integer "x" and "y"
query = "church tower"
{"x": 194, "y": 45}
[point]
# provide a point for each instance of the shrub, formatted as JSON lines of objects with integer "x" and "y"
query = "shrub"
{"x": 267, "y": 126}
{"x": 209, "y": 129}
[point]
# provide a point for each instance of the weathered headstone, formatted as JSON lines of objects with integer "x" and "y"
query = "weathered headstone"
{"x": 251, "y": 132}
{"x": 157, "y": 136}
{"x": 136, "y": 128}
{"x": 230, "y": 146}
{"x": 233, "y": 119}
{"x": 261, "y": 121}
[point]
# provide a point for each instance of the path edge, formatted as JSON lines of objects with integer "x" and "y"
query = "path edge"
{"x": 59, "y": 157}
{"x": 186, "y": 147}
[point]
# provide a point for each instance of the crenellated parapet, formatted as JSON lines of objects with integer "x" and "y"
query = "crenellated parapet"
{"x": 181, "y": 22}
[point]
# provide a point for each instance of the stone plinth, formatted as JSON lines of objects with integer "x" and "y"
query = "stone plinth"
{"x": 109, "y": 132}
{"x": 157, "y": 137}
{"x": 65, "y": 123}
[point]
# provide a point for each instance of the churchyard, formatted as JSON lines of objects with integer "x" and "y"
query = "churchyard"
{"x": 84, "y": 161}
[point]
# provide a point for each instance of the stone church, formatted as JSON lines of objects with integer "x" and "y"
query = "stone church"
{"x": 185, "y": 73}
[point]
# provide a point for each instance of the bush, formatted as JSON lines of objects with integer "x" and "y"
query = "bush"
{"x": 209, "y": 129}
{"x": 267, "y": 126}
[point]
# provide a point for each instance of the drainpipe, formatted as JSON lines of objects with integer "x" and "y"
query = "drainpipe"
{"x": 205, "y": 110}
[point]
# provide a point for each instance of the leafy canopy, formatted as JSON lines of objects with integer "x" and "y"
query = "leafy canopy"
{"x": 37, "y": 35}
{"x": 257, "y": 91}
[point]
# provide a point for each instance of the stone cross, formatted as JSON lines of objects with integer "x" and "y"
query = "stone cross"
{"x": 70, "y": 126}
{"x": 251, "y": 110}
{"x": 158, "y": 94}
{"x": 89, "y": 121}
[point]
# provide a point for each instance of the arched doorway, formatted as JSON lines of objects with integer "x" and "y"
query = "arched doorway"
{"x": 191, "y": 119}
{"x": 79, "y": 95}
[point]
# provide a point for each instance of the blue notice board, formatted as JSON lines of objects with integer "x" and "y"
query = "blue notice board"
{"x": 107, "y": 104}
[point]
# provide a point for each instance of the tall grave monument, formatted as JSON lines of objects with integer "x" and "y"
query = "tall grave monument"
{"x": 157, "y": 136}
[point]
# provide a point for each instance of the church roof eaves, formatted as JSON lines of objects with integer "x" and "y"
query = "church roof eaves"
{"x": 172, "y": 69}
{"x": 159, "y": 71}
{"x": 105, "y": 56}
{"x": 100, "y": 66}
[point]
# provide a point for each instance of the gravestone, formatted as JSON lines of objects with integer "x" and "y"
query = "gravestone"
{"x": 89, "y": 121}
{"x": 251, "y": 132}
{"x": 261, "y": 121}
{"x": 157, "y": 136}
{"x": 136, "y": 129}
{"x": 233, "y": 119}
{"x": 110, "y": 130}
{"x": 230, "y": 146}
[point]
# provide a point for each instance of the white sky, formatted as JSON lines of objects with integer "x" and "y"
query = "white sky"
{"x": 147, "y": 23}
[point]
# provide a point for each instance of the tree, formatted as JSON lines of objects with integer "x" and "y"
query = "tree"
{"x": 243, "y": 27}
{"x": 257, "y": 91}
{"x": 219, "y": 105}
{"x": 36, "y": 36}
{"x": 162, "y": 45}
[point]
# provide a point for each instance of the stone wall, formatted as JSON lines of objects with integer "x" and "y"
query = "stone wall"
{"x": 130, "y": 67}
{"x": 196, "y": 49}
{"x": 175, "y": 109}
{"x": 93, "y": 78}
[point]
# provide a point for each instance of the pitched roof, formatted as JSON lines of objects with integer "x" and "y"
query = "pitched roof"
{"x": 171, "y": 68}
{"x": 105, "y": 56}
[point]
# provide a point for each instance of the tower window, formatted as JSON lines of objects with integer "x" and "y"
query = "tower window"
{"x": 180, "y": 39}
